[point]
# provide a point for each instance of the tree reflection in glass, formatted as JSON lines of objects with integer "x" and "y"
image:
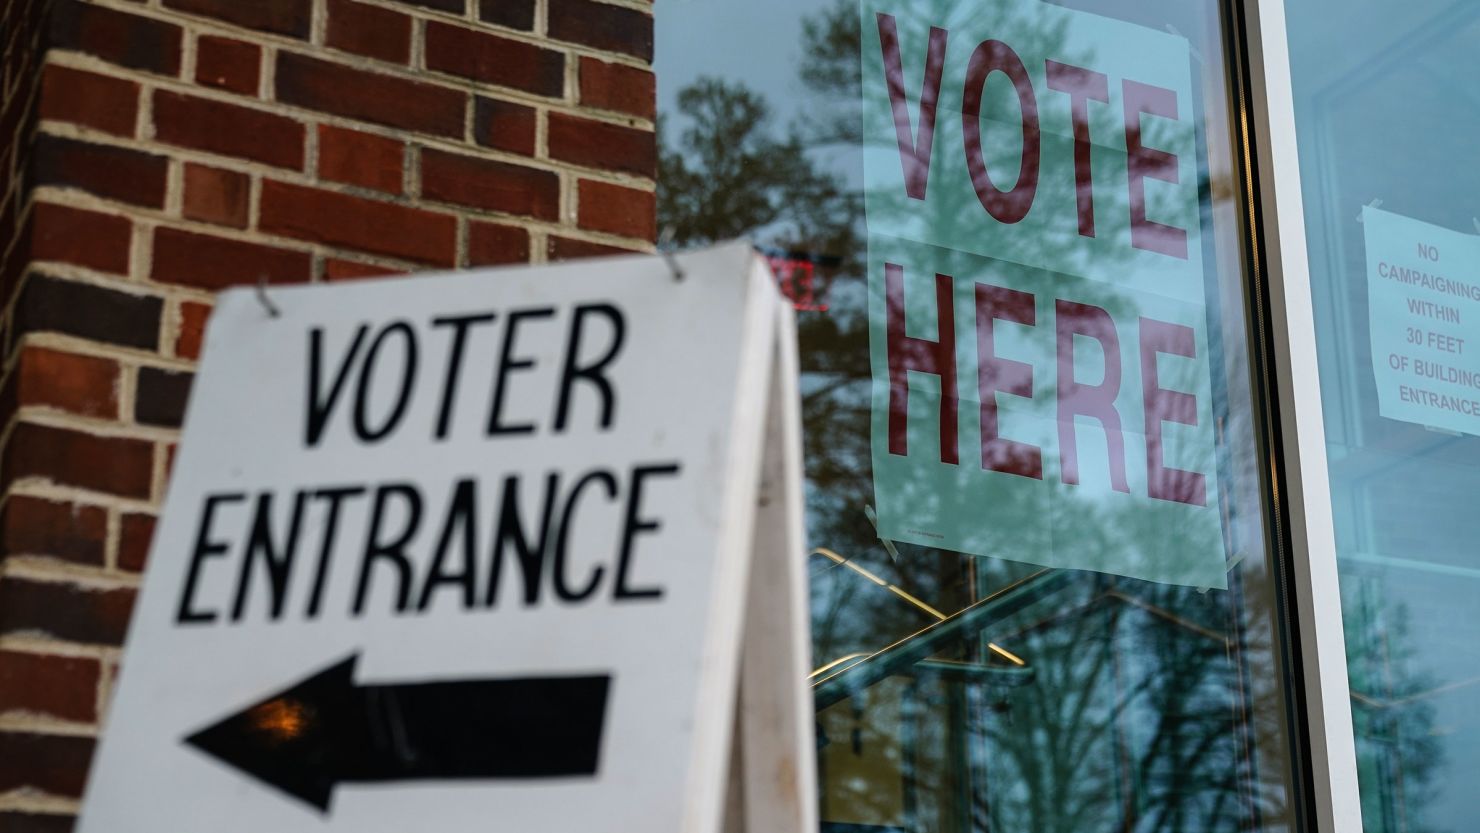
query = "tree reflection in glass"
{"x": 1068, "y": 700}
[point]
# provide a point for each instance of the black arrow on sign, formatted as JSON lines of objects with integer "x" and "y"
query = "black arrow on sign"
{"x": 325, "y": 730}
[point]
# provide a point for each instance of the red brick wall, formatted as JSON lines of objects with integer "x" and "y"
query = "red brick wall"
{"x": 184, "y": 146}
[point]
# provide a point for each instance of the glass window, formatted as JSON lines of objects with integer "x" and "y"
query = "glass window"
{"x": 1386, "y": 116}
{"x": 1044, "y": 593}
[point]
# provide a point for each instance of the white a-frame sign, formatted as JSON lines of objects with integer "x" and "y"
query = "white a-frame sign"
{"x": 505, "y": 550}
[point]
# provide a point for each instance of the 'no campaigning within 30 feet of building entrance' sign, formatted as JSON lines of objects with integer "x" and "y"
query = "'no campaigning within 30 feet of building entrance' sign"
{"x": 1038, "y": 322}
{"x": 1423, "y": 293}
{"x": 447, "y": 552}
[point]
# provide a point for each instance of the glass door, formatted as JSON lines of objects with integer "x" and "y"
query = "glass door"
{"x": 1047, "y": 593}
{"x": 1385, "y": 117}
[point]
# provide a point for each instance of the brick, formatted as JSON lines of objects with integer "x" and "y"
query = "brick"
{"x": 567, "y": 248}
{"x": 371, "y": 31}
{"x": 193, "y": 317}
{"x": 368, "y": 96}
{"x": 602, "y": 26}
{"x": 503, "y": 125}
{"x": 347, "y": 270}
{"x": 84, "y": 385}
{"x": 484, "y": 183}
{"x": 617, "y": 210}
{"x": 363, "y": 159}
{"x": 515, "y": 14}
{"x": 454, "y": 6}
{"x": 161, "y": 397}
{"x": 283, "y": 17}
{"x": 354, "y": 222}
{"x": 16, "y": 821}
{"x": 65, "y": 688}
{"x": 81, "y": 237}
{"x": 87, "y": 311}
{"x": 113, "y": 173}
{"x": 494, "y": 60}
{"x": 227, "y": 129}
{"x": 228, "y": 64}
{"x": 90, "y": 100}
{"x": 209, "y": 262}
{"x": 619, "y": 88}
{"x": 51, "y": 764}
{"x": 116, "y": 36}
{"x": 114, "y": 465}
{"x": 490, "y": 244}
{"x": 67, "y": 531}
{"x": 213, "y": 195}
{"x": 135, "y": 536}
{"x": 597, "y": 144}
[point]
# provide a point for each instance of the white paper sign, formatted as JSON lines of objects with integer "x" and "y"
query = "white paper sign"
{"x": 1424, "y": 297}
{"x": 1038, "y": 322}
{"x": 462, "y": 552}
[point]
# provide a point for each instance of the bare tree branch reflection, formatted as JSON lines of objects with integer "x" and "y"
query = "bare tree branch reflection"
{"x": 1150, "y": 708}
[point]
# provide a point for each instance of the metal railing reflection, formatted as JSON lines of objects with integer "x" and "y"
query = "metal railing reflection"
{"x": 913, "y": 654}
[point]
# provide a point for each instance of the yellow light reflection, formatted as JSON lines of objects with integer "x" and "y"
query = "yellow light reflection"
{"x": 835, "y": 663}
{"x": 280, "y": 720}
{"x": 903, "y": 594}
{"x": 900, "y": 592}
{"x": 1006, "y": 654}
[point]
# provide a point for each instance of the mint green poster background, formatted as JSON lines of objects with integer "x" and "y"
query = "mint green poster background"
{"x": 964, "y": 507}
{"x": 1424, "y": 307}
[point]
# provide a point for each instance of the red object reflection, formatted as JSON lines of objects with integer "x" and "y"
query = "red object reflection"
{"x": 796, "y": 275}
